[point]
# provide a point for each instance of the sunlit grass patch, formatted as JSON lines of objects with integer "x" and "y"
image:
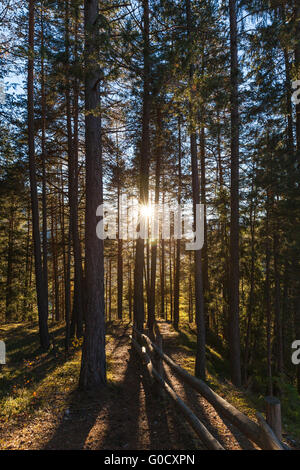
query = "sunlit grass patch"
{"x": 217, "y": 372}
{"x": 33, "y": 380}
{"x": 35, "y": 393}
{"x": 246, "y": 401}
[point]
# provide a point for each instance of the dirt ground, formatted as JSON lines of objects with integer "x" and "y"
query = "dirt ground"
{"x": 126, "y": 415}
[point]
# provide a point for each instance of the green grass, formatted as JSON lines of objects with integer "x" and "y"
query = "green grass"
{"x": 33, "y": 379}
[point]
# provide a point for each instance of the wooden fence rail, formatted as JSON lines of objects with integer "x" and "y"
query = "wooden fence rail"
{"x": 203, "y": 433}
{"x": 257, "y": 433}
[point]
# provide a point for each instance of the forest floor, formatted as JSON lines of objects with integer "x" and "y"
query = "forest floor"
{"x": 41, "y": 408}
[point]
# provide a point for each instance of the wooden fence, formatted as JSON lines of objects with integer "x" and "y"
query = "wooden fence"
{"x": 260, "y": 433}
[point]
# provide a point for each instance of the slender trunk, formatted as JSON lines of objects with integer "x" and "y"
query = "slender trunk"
{"x": 268, "y": 306}
{"x": 55, "y": 284}
{"x": 171, "y": 280}
{"x": 289, "y": 109}
{"x": 40, "y": 285}
{"x": 158, "y": 151}
{"x": 162, "y": 261}
{"x": 297, "y": 332}
{"x": 235, "y": 354}
{"x": 147, "y": 270}
{"x": 93, "y": 363}
{"x": 72, "y": 140}
{"x": 191, "y": 308}
{"x": 251, "y": 294}
{"x": 110, "y": 290}
{"x": 120, "y": 241}
{"x": 9, "y": 271}
{"x": 220, "y": 167}
{"x": 279, "y": 339}
{"x": 120, "y": 279}
{"x": 66, "y": 244}
{"x": 27, "y": 265}
{"x": 139, "y": 312}
{"x": 178, "y": 244}
{"x": 297, "y": 67}
{"x": 203, "y": 201}
{"x": 44, "y": 174}
{"x": 129, "y": 291}
{"x": 200, "y": 321}
{"x": 106, "y": 290}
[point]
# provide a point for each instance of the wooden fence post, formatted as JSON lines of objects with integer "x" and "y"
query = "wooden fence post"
{"x": 159, "y": 361}
{"x": 160, "y": 366}
{"x": 273, "y": 415}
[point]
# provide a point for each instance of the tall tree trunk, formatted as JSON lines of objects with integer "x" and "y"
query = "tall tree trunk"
{"x": 120, "y": 276}
{"x": 106, "y": 289}
{"x": 171, "y": 281}
{"x": 162, "y": 257}
{"x": 120, "y": 241}
{"x": 289, "y": 109}
{"x": 297, "y": 332}
{"x": 129, "y": 291}
{"x": 251, "y": 294}
{"x": 9, "y": 270}
{"x": 40, "y": 285}
{"x": 200, "y": 320}
{"x": 139, "y": 312}
{"x": 191, "y": 304}
{"x": 297, "y": 66}
{"x": 178, "y": 244}
{"x": 44, "y": 162}
{"x": 234, "y": 343}
{"x": 66, "y": 244}
{"x": 27, "y": 265}
{"x": 93, "y": 363}
{"x": 203, "y": 201}
{"x": 277, "y": 306}
{"x": 77, "y": 312}
{"x": 110, "y": 290}
{"x": 268, "y": 306}
{"x": 220, "y": 167}
{"x": 158, "y": 151}
{"x": 55, "y": 283}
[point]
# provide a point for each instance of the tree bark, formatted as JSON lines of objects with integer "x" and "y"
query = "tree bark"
{"x": 9, "y": 269}
{"x": 268, "y": 305}
{"x": 66, "y": 244}
{"x": 139, "y": 312}
{"x": 162, "y": 257}
{"x": 55, "y": 284}
{"x": 200, "y": 320}
{"x": 40, "y": 285}
{"x": 252, "y": 286}
{"x": 297, "y": 66}
{"x": 203, "y": 201}
{"x": 44, "y": 173}
{"x": 93, "y": 363}
{"x": 120, "y": 241}
{"x": 234, "y": 342}
{"x": 152, "y": 296}
{"x": 76, "y": 326}
{"x": 178, "y": 244}
{"x": 277, "y": 304}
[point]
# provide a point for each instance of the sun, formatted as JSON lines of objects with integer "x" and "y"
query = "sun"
{"x": 147, "y": 211}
